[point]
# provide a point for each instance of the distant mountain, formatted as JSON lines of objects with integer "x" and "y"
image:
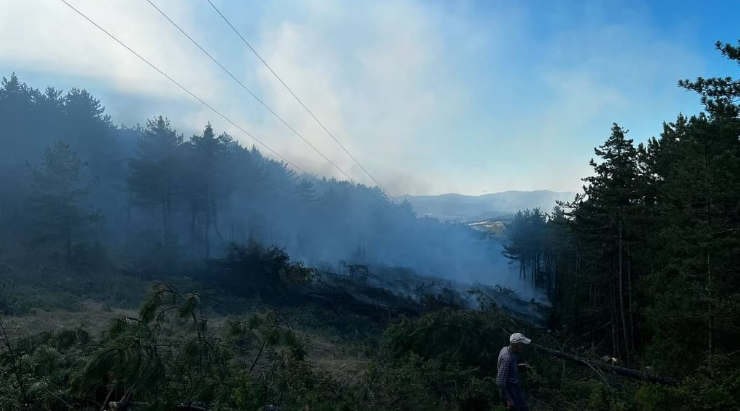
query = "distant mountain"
{"x": 458, "y": 207}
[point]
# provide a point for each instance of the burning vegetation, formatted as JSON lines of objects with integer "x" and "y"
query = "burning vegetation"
{"x": 638, "y": 278}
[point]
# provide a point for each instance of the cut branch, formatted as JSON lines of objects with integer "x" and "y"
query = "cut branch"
{"x": 621, "y": 371}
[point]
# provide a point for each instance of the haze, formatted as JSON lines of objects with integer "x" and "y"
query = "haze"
{"x": 431, "y": 97}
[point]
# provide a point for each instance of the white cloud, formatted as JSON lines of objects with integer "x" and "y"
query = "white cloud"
{"x": 429, "y": 97}
{"x": 49, "y": 37}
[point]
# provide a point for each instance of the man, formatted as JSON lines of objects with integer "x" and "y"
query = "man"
{"x": 507, "y": 378}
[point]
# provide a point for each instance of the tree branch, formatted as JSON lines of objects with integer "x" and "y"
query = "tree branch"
{"x": 621, "y": 371}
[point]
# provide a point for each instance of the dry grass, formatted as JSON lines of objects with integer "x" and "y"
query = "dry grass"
{"x": 334, "y": 358}
{"x": 93, "y": 317}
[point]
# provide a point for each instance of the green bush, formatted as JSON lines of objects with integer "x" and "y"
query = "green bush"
{"x": 715, "y": 388}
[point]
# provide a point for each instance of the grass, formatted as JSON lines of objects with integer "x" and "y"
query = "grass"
{"x": 335, "y": 358}
{"x": 43, "y": 299}
{"x": 91, "y": 316}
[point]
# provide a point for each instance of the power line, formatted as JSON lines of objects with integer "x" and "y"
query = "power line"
{"x": 381, "y": 200}
{"x": 259, "y": 100}
{"x": 295, "y": 96}
{"x": 183, "y": 88}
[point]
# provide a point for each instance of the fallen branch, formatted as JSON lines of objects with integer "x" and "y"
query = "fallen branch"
{"x": 598, "y": 372}
{"x": 624, "y": 372}
{"x": 107, "y": 397}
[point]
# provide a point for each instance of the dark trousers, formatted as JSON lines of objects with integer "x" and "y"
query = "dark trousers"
{"x": 513, "y": 393}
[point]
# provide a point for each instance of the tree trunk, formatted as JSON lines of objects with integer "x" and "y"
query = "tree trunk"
{"x": 708, "y": 204}
{"x": 193, "y": 214}
{"x": 629, "y": 302}
{"x": 208, "y": 223}
{"x": 709, "y": 311}
{"x": 625, "y": 372}
{"x": 620, "y": 279}
{"x": 215, "y": 227}
{"x": 555, "y": 275}
{"x": 522, "y": 267}
{"x": 615, "y": 321}
{"x": 165, "y": 222}
{"x": 168, "y": 231}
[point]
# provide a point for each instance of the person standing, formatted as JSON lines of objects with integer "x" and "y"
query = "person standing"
{"x": 507, "y": 377}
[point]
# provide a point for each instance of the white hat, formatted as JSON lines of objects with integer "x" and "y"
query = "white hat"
{"x": 519, "y": 338}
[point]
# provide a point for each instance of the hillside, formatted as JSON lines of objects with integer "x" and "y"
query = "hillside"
{"x": 458, "y": 207}
{"x": 261, "y": 289}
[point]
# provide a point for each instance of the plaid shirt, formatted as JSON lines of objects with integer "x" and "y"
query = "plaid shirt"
{"x": 508, "y": 368}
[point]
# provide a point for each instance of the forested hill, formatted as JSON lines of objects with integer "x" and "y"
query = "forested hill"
{"x": 642, "y": 270}
{"x": 70, "y": 179}
{"x": 458, "y": 207}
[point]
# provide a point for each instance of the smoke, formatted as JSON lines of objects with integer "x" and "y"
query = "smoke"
{"x": 323, "y": 222}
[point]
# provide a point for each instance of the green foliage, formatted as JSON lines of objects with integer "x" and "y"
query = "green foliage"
{"x": 719, "y": 94}
{"x": 642, "y": 266}
{"x": 208, "y": 182}
{"x": 57, "y": 217}
{"x": 36, "y": 369}
{"x": 418, "y": 384}
{"x": 533, "y": 245}
{"x": 169, "y": 200}
{"x": 716, "y": 388}
{"x": 467, "y": 339}
{"x": 651, "y": 251}
{"x": 253, "y": 270}
{"x": 169, "y": 355}
{"x": 8, "y": 297}
{"x": 155, "y": 178}
{"x": 34, "y": 286}
{"x": 444, "y": 360}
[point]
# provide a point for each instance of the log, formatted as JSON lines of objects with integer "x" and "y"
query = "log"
{"x": 622, "y": 371}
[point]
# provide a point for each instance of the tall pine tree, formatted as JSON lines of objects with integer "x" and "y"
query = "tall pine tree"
{"x": 54, "y": 205}
{"x": 157, "y": 172}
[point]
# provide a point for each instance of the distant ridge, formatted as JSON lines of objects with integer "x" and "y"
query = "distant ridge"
{"x": 460, "y": 207}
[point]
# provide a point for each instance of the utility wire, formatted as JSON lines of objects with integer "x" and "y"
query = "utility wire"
{"x": 259, "y": 100}
{"x": 183, "y": 88}
{"x": 381, "y": 200}
{"x": 295, "y": 96}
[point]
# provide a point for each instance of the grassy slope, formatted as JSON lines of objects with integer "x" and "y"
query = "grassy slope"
{"x": 50, "y": 301}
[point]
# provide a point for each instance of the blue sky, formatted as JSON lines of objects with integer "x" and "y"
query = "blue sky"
{"x": 431, "y": 96}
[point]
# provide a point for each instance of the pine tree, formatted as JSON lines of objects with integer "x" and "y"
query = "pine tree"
{"x": 720, "y": 95}
{"x": 209, "y": 182}
{"x": 57, "y": 217}
{"x": 699, "y": 160}
{"x": 696, "y": 284}
{"x": 16, "y": 110}
{"x": 606, "y": 221}
{"x": 156, "y": 173}
{"x": 407, "y": 208}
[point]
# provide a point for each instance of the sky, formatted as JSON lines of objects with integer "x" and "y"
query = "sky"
{"x": 431, "y": 96}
